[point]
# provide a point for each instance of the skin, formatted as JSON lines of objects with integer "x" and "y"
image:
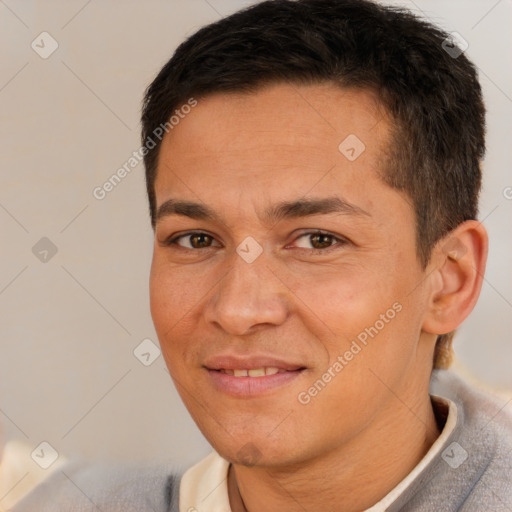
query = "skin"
{"x": 373, "y": 422}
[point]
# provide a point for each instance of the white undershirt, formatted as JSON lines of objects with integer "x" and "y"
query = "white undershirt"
{"x": 204, "y": 487}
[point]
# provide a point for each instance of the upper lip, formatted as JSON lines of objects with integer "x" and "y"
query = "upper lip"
{"x": 252, "y": 362}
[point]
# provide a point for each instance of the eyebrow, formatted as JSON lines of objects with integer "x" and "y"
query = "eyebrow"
{"x": 275, "y": 213}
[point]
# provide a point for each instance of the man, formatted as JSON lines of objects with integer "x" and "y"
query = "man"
{"x": 314, "y": 216}
{"x": 313, "y": 171}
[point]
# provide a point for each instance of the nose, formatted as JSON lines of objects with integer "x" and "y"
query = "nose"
{"x": 247, "y": 297}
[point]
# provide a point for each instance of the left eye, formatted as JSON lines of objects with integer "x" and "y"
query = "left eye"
{"x": 320, "y": 241}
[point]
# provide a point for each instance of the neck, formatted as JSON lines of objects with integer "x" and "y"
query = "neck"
{"x": 356, "y": 475}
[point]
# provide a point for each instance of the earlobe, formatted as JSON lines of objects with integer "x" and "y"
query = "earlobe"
{"x": 456, "y": 280}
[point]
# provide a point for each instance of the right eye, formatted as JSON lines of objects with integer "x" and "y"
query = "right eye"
{"x": 196, "y": 240}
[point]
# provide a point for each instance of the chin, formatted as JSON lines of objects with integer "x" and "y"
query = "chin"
{"x": 255, "y": 450}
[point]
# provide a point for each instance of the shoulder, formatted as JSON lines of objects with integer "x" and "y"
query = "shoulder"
{"x": 80, "y": 487}
{"x": 483, "y": 418}
{"x": 475, "y": 464}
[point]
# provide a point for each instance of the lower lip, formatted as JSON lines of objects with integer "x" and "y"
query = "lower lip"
{"x": 251, "y": 386}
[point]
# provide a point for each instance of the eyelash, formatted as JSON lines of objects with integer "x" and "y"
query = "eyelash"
{"x": 340, "y": 241}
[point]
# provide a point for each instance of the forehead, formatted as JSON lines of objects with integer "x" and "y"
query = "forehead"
{"x": 304, "y": 138}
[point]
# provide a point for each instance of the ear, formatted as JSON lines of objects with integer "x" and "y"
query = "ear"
{"x": 456, "y": 274}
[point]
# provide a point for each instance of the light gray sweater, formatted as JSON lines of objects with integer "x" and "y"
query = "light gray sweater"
{"x": 482, "y": 482}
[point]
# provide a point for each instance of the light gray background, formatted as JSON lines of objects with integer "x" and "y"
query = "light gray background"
{"x": 68, "y": 327}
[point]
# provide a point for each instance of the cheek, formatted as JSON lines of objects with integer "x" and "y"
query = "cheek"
{"x": 175, "y": 302}
{"x": 172, "y": 293}
{"x": 161, "y": 300}
{"x": 166, "y": 302}
{"x": 344, "y": 299}
{"x": 370, "y": 307}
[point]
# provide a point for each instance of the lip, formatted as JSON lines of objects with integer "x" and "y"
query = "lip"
{"x": 231, "y": 362}
{"x": 247, "y": 387}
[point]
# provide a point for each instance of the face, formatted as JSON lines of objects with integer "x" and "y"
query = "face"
{"x": 290, "y": 298}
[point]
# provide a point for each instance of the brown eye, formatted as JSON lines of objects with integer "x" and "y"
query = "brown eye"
{"x": 192, "y": 241}
{"x": 200, "y": 240}
{"x": 318, "y": 241}
{"x": 321, "y": 241}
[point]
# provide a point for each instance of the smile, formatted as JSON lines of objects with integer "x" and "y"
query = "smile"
{"x": 256, "y": 372}
{"x": 252, "y": 383}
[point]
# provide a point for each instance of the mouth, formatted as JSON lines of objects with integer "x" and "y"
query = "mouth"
{"x": 251, "y": 377}
{"x": 254, "y": 372}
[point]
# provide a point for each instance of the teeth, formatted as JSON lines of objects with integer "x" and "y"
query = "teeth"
{"x": 256, "y": 372}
